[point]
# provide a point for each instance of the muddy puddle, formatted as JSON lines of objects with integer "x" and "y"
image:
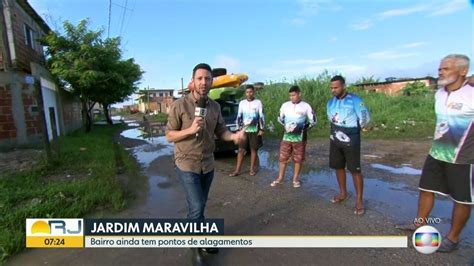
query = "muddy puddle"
{"x": 395, "y": 199}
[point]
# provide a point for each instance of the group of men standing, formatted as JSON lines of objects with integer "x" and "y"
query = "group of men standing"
{"x": 347, "y": 114}
{"x": 448, "y": 170}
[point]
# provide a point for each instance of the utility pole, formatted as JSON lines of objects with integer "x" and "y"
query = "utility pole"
{"x": 148, "y": 97}
{"x": 182, "y": 88}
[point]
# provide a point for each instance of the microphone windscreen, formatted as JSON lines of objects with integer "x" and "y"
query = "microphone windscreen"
{"x": 202, "y": 103}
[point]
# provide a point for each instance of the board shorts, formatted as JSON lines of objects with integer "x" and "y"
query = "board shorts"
{"x": 252, "y": 141}
{"x": 448, "y": 179}
{"x": 297, "y": 149}
{"x": 345, "y": 155}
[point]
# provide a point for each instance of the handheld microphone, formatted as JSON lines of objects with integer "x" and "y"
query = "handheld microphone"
{"x": 200, "y": 110}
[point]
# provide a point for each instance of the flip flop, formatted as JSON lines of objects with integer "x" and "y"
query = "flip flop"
{"x": 335, "y": 199}
{"x": 359, "y": 211}
{"x": 297, "y": 184}
{"x": 276, "y": 183}
{"x": 234, "y": 174}
{"x": 252, "y": 173}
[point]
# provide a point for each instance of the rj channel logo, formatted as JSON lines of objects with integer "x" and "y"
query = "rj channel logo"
{"x": 57, "y": 233}
{"x": 426, "y": 239}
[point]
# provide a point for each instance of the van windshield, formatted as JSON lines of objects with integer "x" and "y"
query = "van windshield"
{"x": 229, "y": 111}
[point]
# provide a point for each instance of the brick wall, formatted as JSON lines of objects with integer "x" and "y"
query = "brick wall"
{"x": 71, "y": 106}
{"x": 32, "y": 118}
{"x": 7, "y": 124}
{"x": 392, "y": 88}
{"x": 25, "y": 54}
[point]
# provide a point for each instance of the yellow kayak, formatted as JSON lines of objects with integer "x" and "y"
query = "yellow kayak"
{"x": 231, "y": 80}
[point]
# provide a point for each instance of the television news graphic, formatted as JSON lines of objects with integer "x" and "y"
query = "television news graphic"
{"x": 426, "y": 239}
{"x": 179, "y": 233}
{"x": 54, "y": 233}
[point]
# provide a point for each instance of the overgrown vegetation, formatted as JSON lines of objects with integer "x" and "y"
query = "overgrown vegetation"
{"x": 400, "y": 117}
{"x": 416, "y": 88}
{"x": 92, "y": 67}
{"x": 81, "y": 179}
{"x": 159, "y": 117}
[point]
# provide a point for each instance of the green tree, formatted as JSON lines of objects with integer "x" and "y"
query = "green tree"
{"x": 120, "y": 82}
{"x": 415, "y": 88}
{"x": 90, "y": 66}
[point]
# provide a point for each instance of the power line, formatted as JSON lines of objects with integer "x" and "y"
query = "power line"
{"x": 121, "y": 6}
{"x": 123, "y": 17}
{"x": 110, "y": 15}
{"x": 131, "y": 14}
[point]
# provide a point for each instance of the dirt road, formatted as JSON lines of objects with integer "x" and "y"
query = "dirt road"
{"x": 250, "y": 206}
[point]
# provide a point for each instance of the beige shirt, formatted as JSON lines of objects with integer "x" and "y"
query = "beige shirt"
{"x": 195, "y": 153}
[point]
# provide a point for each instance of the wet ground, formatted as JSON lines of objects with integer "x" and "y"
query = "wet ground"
{"x": 251, "y": 207}
{"x": 19, "y": 160}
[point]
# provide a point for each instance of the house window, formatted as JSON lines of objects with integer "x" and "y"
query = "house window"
{"x": 161, "y": 94}
{"x": 29, "y": 37}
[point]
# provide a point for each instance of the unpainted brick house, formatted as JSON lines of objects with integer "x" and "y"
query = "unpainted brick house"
{"x": 394, "y": 87}
{"x": 21, "y": 63}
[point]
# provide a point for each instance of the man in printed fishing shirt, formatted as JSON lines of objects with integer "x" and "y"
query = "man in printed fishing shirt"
{"x": 250, "y": 118}
{"x": 297, "y": 117}
{"x": 348, "y": 115}
{"x": 449, "y": 167}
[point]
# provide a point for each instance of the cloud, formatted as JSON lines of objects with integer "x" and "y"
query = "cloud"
{"x": 389, "y": 55}
{"x": 293, "y": 69}
{"x": 333, "y": 39}
{"x": 413, "y": 44}
{"x": 298, "y": 21}
{"x": 450, "y": 7}
{"x": 433, "y": 8}
{"x": 230, "y": 63}
{"x": 402, "y": 11}
{"x": 309, "y": 8}
{"x": 312, "y": 7}
{"x": 363, "y": 25}
{"x": 307, "y": 61}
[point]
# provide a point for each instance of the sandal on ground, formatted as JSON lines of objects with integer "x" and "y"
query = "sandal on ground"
{"x": 252, "y": 173}
{"x": 234, "y": 174}
{"x": 447, "y": 245}
{"x": 359, "y": 211}
{"x": 336, "y": 199}
{"x": 297, "y": 184}
{"x": 276, "y": 183}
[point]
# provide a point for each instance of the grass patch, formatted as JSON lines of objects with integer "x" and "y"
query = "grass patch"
{"x": 159, "y": 117}
{"x": 82, "y": 178}
{"x": 393, "y": 117}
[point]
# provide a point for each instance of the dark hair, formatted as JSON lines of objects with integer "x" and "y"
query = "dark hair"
{"x": 339, "y": 78}
{"x": 202, "y": 66}
{"x": 249, "y": 86}
{"x": 294, "y": 88}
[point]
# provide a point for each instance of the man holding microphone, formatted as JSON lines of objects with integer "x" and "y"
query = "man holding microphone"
{"x": 192, "y": 123}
